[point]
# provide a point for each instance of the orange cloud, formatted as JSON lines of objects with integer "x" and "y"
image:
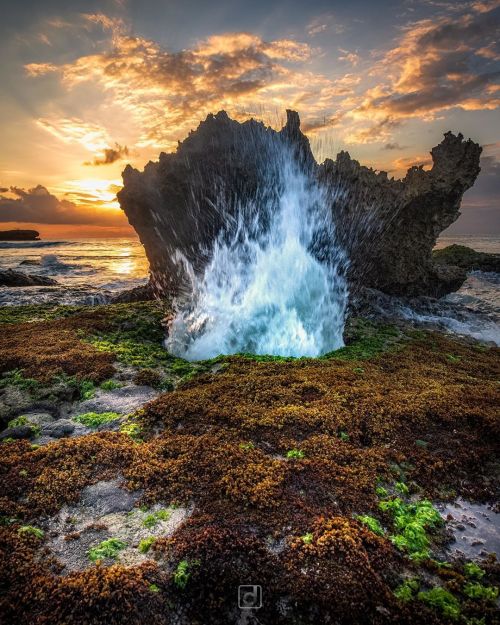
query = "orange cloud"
{"x": 73, "y": 130}
{"x": 167, "y": 93}
{"x": 435, "y": 65}
{"x": 433, "y": 68}
{"x": 39, "y": 69}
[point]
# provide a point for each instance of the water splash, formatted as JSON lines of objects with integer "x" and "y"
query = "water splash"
{"x": 274, "y": 283}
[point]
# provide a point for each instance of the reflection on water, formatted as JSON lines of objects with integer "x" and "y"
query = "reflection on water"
{"x": 88, "y": 264}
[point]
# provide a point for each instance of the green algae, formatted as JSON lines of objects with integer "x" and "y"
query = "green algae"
{"x": 23, "y": 420}
{"x": 110, "y": 385}
{"x": 295, "y": 454}
{"x": 413, "y": 523}
{"x": 17, "y": 378}
{"x": 154, "y": 518}
{"x": 474, "y": 590}
{"x": 30, "y": 530}
{"x": 366, "y": 339}
{"x": 182, "y": 573}
{"x": 407, "y": 590}
{"x": 95, "y": 419}
{"x": 145, "y": 544}
{"x": 109, "y": 548}
{"x": 471, "y": 569}
{"x": 372, "y": 524}
{"x": 37, "y": 312}
{"x": 441, "y": 599}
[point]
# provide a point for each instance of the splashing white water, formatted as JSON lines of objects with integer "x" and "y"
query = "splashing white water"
{"x": 264, "y": 291}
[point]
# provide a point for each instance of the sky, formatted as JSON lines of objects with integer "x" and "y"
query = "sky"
{"x": 88, "y": 86}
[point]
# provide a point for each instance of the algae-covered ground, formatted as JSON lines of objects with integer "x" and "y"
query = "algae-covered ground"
{"x": 138, "y": 488}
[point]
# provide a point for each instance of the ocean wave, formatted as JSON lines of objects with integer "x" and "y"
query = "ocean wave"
{"x": 52, "y": 261}
{"x": 474, "y": 325}
{"x": 7, "y": 245}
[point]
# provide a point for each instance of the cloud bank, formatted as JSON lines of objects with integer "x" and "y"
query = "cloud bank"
{"x": 38, "y": 205}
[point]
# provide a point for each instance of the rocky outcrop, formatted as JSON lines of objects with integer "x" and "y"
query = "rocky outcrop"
{"x": 9, "y": 277}
{"x": 143, "y": 293}
{"x": 467, "y": 258}
{"x": 388, "y": 227}
{"x": 19, "y": 235}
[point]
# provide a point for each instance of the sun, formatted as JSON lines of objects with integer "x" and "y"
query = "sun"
{"x": 93, "y": 192}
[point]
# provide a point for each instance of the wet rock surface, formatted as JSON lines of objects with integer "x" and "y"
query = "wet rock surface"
{"x": 124, "y": 400}
{"x": 107, "y": 511}
{"x": 11, "y": 278}
{"x": 388, "y": 227}
{"x": 475, "y": 528}
{"x": 467, "y": 258}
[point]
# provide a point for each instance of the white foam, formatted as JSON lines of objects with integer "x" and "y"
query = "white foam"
{"x": 264, "y": 291}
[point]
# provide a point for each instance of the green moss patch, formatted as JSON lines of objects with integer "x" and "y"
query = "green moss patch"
{"x": 95, "y": 419}
{"x": 109, "y": 548}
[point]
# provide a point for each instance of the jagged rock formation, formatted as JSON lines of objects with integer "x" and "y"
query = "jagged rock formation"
{"x": 388, "y": 227}
{"x": 19, "y": 235}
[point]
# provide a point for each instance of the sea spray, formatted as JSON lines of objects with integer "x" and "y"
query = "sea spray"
{"x": 274, "y": 283}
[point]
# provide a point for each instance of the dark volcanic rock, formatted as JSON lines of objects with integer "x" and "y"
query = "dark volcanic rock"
{"x": 143, "y": 293}
{"x": 466, "y": 258}
{"x": 8, "y": 277}
{"x": 19, "y": 235}
{"x": 17, "y": 432}
{"x": 388, "y": 227}
{"x": 58, "y": 429}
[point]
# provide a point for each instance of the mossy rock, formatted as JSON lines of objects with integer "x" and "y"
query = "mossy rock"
{"x": 467, "y": 258}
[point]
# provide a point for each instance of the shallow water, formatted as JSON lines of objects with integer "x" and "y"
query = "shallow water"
{"x": 473, "y": 310}
{"x": 475, "y": 528}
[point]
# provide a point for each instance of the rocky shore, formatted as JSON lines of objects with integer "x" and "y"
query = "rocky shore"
{"x": 135, "y": 487}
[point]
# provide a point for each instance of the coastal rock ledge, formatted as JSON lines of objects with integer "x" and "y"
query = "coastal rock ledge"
{"x": 388, "y": 227}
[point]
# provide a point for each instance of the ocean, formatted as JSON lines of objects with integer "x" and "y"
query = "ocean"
{"x": 90, "y": 271}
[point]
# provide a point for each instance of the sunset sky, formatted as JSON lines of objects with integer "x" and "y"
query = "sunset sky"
{"x": 88, "y": 86}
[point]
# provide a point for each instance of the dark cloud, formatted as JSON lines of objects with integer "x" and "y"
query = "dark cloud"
{"x": 438, "y": 64}
{"x": 39, "y": 206}
{"x": 110, "y": 155}
{"x": 469, "y": 30}
{"x": 393, "y": 146}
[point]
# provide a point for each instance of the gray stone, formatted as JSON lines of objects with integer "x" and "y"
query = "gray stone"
{"x": 121, "y": 400}
{"x": 107, "y": 497}
{"x": 106, "y": 510}
{"x": 14, "y": 401}
{"x": 58, "y": 429}
{"x": 18, "y": 432}
{"x": 38, "y": 418}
